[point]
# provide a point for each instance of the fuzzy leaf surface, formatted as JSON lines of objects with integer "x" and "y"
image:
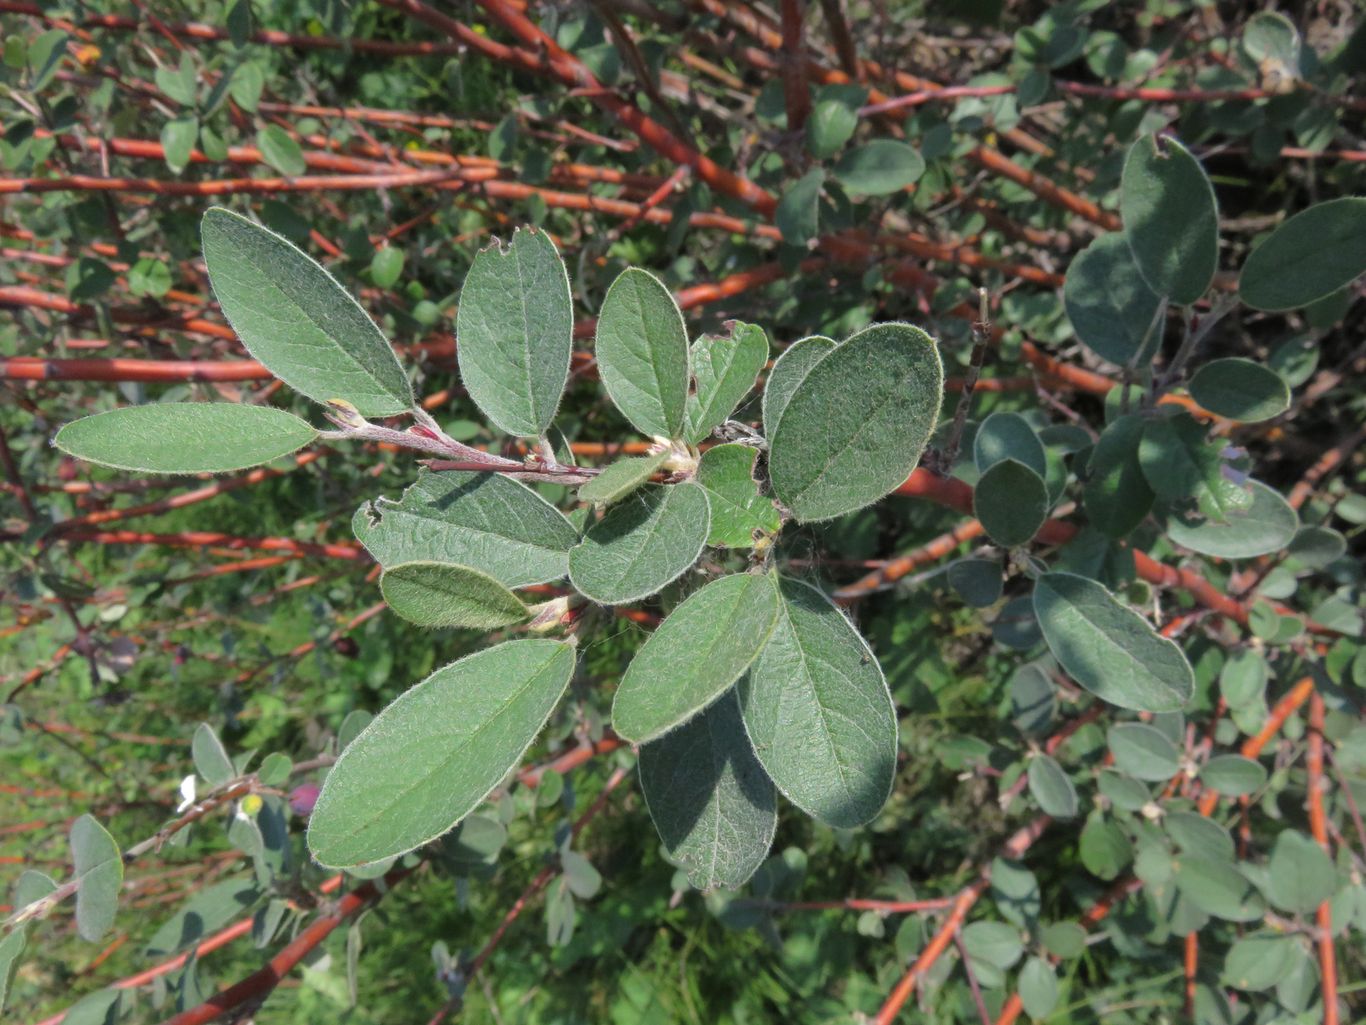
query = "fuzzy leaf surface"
{"x": 486, "y": 521}
{"x": 515, "y": 332}
{"x": 619, "y": 479}
{"x": 1170, "y": 218}
{"x": 99, "y": 869}
{"x": 1266, "y": 524}
{"x": 789, "y": 370}
{"x": 1310, "y": 256}
{"x": 641, "y": 544}
{"x": 818, "y": 710}
{"x": 442, "y": 594}
{"x": 1108, "y": 648}
{"x": 724, "y": 368}
{"x": 713, "y": 806}
{"x": 726, "y": 472}
{"x": 1011, "y": 501}
{"x": 856, "y": 425}
{"x": 695, "y": 655}
{"x": 1109, "y": 304}
{"x": 435, "y": 753}
{"x": 185, "y": 437}
{"x": 1240, "y": 390}
{"x": 642, "y": 350}
{"x": 297, "y": 320}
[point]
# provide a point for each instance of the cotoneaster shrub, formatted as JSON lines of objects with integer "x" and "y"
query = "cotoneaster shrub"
{"x": 978, "y": 627}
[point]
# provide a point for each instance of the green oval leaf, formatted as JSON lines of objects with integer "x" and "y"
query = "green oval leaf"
{"x": 1104, "y": 847}
{"x": 1240, "y": 390}
{"x": 698, "y": 652}
{"x": 1193, "y": 833}
{"x": 1065, "y": 940}
{"x": 280, "y": 150}
{"x": 738, "y": 510}
{"x": 1011, "y": 501}
{"x": 1108, "y": 648}
{"x": 485, "y": 521}
{"x": 432, "y": 756}
{"x": 1111, "y": 307}
{"x": 855, "y": 426}
{"x": 642, "y": 544}
{"x": 713, "y": 806}
{"x": 994, "y": 943}
{"x": 820, "y": 715}
{"x": 210, "y": 757}
{"x": 1233, "y": 775}
{"x": 178, "y": 137}
{"x": 1267, "y": 524}
{"x": 1215, "y": 886}
{"x": 1259, "y": 960}
{"x": 1180, "y": 461}
{"x": 149, "y": 277}
{"x": 207, "y": 911}
{"x": 724, "y": 369}
{"x": 798, "y": 213}
{"x": 830, "y": 126}
{"x": 978, "y": 582}
{"x": 879, "y": 168}
{"x": 1052, "y": 788}
{"x": 789, "y": 370}
{"x": 1117, "y": 495}
{"x": 1170, "y": 218}
{"x": 98, "y": 873}
{"x": 442, "y": 594}
{"x": 1038, "y": 988}
{"x": 619, "y": 479}
{"x": 11, "y": 947}
{"x": 295, "y": 318}
{"x": 185, "y": 437}
{"x": 642, "y": 351}
{"x": 1143, "y": 751}
{"x": 1307, "y": 258}
{"x": 1300, "y": 873}
{"x": 1008, "y": 436}
{"x": 515, "y": 332}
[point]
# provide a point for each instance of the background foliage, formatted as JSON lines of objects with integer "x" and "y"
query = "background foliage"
{"x": 1042, "y": 852}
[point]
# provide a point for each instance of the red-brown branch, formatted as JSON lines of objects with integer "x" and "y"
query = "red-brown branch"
{"x": 257, "y": 985}
{"x": 1318, "y": 825}
{"x": 1014, "y": 848}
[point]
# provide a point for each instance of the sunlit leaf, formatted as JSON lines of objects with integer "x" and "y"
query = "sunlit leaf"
{"x": 295, "y": 318}
{"x": 642, "y": 350}
{"x": 99, "y": 874}
{"x": 515, "y": 332}
{"x": 738, "y": 510}
{"x": 432, "y": 756}
{"x": 724, "y": 368}
{"x": 185, "y": 437}
{"x": 695, "y": 655}
{"x": 442, "y": 594}
{"x": 819, "y": 713}
{"x": 855, "y": 426}
{"x": 641, "y": 544}
{"x": 486, "y": 521}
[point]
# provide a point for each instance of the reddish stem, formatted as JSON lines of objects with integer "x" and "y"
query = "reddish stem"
{"x": 1318, "y": 825}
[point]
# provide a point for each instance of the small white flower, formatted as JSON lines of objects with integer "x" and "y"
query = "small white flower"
{"x": 187, "y": 793}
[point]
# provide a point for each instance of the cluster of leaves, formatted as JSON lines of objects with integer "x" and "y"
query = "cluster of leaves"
{"x": 1128, "y": 630}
